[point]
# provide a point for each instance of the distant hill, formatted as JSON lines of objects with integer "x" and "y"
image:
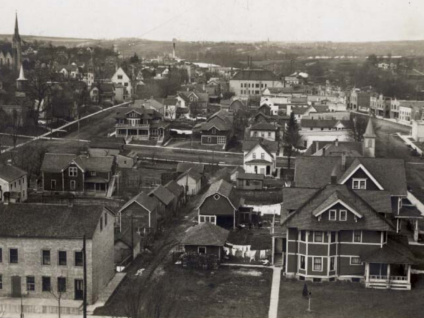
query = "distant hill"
{"x": 232, "y": 53}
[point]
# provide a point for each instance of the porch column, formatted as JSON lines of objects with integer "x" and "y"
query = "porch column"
{"x": 409, "y": 274}
{"x": 388, "y": 276}
{"x": 367, "y": 272}
{"x": 416, "y": 231}
{"x": 273, "y": 250}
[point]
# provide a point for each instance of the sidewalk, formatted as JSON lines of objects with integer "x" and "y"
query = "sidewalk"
{"x": 275, "y": 292}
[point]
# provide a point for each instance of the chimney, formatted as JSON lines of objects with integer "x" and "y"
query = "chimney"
{"x": 334, "y": 175}
{"x": 343, "y": 161}
{"x": 323, "y": 152}
{"x": 317, "y": 146}
{"x": 336, "y": 142}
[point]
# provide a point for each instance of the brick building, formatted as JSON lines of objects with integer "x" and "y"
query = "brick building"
{"x": 41, "y": 250}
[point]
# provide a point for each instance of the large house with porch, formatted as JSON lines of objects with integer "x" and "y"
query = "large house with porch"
{"x": 260, "y": 156}
{"x": 218, "y": 129}
{"x": 346, "y": 219}
{"x": 70, "y": 173}
{"x": 140, "y": 123}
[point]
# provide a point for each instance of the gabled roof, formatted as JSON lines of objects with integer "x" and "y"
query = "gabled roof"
{"x": 206, "y": 234}
{"x": 323, "y": 123}
{"x": 349, "y": 148}
{"x": 268, "y": 145}
{"x": 49, "y": 221}
{"x": 192, "y": 173}
{"x": 162, "y": 194}
{"x": 221, "y": 120}
{"x": 56, "y": 162}
{"x": 336, "y": 198}
{"x": 143, "y": 200}
{"x": 304, "y": 218}
{"x": 315, "y": 172}
{"x": 10, "y": 173}
{"x": 175, "y": 188}
{"x": 225, "y": 189}
{"x": 97, "y": 164}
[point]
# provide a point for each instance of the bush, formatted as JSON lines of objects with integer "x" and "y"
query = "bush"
{"x": 202, "y": 261}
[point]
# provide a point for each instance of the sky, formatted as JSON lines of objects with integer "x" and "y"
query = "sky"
{"x": 219, "y": 20}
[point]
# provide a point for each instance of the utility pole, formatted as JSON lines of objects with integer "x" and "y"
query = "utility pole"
{"x": 132, "y": 237}
{"x": 84, "y": 302}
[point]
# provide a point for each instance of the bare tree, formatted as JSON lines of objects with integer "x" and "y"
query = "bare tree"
{"x": 357, "y": 127}
{"x": 291, "y": 137}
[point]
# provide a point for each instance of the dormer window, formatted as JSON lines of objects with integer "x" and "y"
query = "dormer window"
{"x": 213, "y": 131}
{"x": 262, "y": 156}
{"x": 254, "y": 155}
{"x": 359, "y": 184}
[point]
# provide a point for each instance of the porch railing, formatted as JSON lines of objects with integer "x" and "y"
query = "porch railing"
{"x": 392, "y": 278}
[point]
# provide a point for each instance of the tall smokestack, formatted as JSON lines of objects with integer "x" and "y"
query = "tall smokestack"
{"x": 174, "y": 42}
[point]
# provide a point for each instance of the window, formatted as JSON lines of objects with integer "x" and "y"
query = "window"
{"x": 201, "y": 249}
{"x": 359, "y": 184}
{"x": 216, "y": 196}
{"x": 30, "y": 283}
{"x": 1, "y": 281}
{"x": 1, "y": 255}
{"x": 93, "y": 173}
{"x": 355, "y": 261}
{"x": 318, "y": 237}
{"x": 45, "y": 259}
{"x": 332, "y": 263}
{"x": 46, "y": 284}
{"x": 61, "y": 284}
{"x": 73, "y": 171}
{"x": 221, "y": 140}
{"x": 317, "y": 264}
{"x": 357, "y": 236}
{"x": 342, "y": 215}
{"x": 333, "y": 237}
{"x": 269, "y": 134}
{"x": 213, "y": 131}
{"x": 332, "y": 216}
{"x": 62, "y": 258}
{"x": 78, "y": 259}
{"x": 254, "y": 155}
{"x": 262, "y": 156}
{"x": 303, "y": 236}
{"x": 73, "y": 185}
{"x": 119, "y": 76}
{"x": 208, "y": 219}
{"x": 53, "y": 184}
{"x": 101, "y": 223}
{"x": 13, "y": 256}
{"x": 302, "y": 262}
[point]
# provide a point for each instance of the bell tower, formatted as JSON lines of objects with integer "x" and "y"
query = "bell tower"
{"x": 17, "y": 47}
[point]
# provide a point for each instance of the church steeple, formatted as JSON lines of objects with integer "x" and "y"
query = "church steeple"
{"x": 16, "y": 36}
{"x": 368, "y": 144}
{"x": 17, "y": 47}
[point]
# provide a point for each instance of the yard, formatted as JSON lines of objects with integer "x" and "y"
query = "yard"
{"x": 349, "y": 300}
{"x": 226, "y": 292}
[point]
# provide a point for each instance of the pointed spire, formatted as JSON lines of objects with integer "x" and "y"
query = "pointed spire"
{"x": 22, "y": 74}
{"x": 16, "y": 36}
{"x": 369, "y": 132}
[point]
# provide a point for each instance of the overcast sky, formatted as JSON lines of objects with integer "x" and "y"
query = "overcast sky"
{"x": 219, "y": 20}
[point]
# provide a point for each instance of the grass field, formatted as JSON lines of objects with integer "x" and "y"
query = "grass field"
{"x": 349, "y": 300}
{"x": 226, "y": 292}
